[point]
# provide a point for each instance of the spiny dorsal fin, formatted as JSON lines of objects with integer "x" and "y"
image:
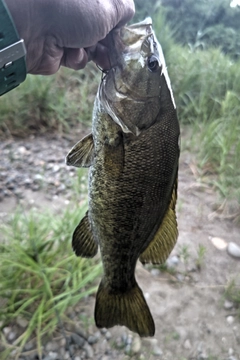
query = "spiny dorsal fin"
{"x": 164, "y": 240}
{"x": 81, "y": 155}
{"x": 124, "y": 308}
{"x": 83, "y": 242}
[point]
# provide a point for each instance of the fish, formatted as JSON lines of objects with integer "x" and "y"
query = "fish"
{"x": 133, "y": 155}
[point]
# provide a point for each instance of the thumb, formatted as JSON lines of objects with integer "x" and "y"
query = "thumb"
{"x": 74, "y": 58}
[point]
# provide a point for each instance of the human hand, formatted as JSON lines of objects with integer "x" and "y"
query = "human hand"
{"x": 67, "y": 32}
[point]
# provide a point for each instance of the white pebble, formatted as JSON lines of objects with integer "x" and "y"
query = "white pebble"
{"x": 22, "y": 150}
{"x": 136, "y": 345}
{"x": 219, "y": 243}
{"x": 228, "y": 305}
{"x": 230, "y": 320}
{"x": 233, "y": 250}
{"x": 6, "y": 330}
{"x": 172, "y": 261}
{"x": 12, "y": 335}
{"x": 187, "y": 344}
{"x": 157, "y": 351}
{"x": 108, "y": 335}
{"x": 155, "y": 272}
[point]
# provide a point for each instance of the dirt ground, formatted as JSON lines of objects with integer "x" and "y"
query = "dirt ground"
{"x": 193, "y": 319}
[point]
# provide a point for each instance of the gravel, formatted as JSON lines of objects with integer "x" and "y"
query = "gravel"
{"x": 35, "y": 165}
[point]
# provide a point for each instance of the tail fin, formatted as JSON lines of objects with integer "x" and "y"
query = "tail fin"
{"x": 129, "y": 309}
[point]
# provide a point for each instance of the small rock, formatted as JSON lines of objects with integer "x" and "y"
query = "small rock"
{"x": 187, "y": 344}
{"x": 103, "y": 331}
{"x": 77, "y": 358}
{"x": 38, "y": 177}
{"x": 180, "y": 277}
{"x": 81, "y": 332}
{"x": 228, "y": 305}
{"x": 136, "y": 345}
{"x": 146, "y": 295}
{"x": 92, "y": 339}
{"x": 12, "y": 336}
{"x": 230, "y": 320}
{"x": 103, "y": 345}
{"x": 55, "y": 168}
{"x": 89, "y": 351}
{"x": 108, "y": 335}
{"x": 233, "y": 250}
{"x": 219, "y": 243}
{"x": 51, "y": 356}
{"x": 129, "y": 339}
{"x": 155, "y": 272}
{"x": 52, "y": 346}
{"x": 156, "y": 351}
{"x": 28, "y": 346}
{"x": 202, "y": 356}
{"x": 141, "y": 357}
{"x": 124, "y": 338}
{"x": 119, "y": 343}
{"x": 78, "y": 340}
{"x": 230, "y": 351}
{"x": 172, "y": 262}
{"x": 22, "y": 150}
{"x": 6, "y": 330}
{"x": 66, "y": 356}
{"x": 63, "y": 342}
{"x": 128, "y": 349}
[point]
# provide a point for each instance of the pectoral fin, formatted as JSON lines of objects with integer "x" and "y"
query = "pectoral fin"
{"x": 164, "y": 240}
{"x": 82, "y": 153}
{"x": 83, "y": 242}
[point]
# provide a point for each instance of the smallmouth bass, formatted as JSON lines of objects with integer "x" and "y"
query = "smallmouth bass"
{"x": 133, "y": 154}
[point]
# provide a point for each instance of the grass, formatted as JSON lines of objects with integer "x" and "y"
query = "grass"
{"x": 232, "y": 293}
{"x": 40, "y": 276}
{"x": 49, "y": 103}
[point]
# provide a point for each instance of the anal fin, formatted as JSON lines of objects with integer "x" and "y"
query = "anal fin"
{"x": 82, "y": 153}
{"x": 165, "y": 239}
{"x": 83, "y": 242}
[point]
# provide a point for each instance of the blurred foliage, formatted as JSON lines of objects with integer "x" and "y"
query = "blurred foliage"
{"x": 205, "y": 24}
{"x": 49, "y": 103}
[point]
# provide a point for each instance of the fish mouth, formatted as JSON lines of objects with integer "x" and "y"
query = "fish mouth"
{"x": 129, "y": 45}
{"x": 126, "y": 84}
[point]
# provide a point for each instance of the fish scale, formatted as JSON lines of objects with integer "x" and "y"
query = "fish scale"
{"x": 132, "y": 155}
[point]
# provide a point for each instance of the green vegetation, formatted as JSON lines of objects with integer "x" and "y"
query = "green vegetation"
{"x": 41, "y": 278}
{"x": 204, "y": 24}
{"x": 232, "y": 293}
{"x": 49, "y": 103}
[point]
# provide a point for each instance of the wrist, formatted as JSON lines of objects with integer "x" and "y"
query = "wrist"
{"x": 12, "y": 53}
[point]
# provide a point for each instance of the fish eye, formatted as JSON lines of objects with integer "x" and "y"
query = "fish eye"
{"x": 153, "y": 64}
